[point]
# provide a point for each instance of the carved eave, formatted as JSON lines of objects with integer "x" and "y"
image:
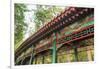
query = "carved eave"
{"x": 66, "y": 18}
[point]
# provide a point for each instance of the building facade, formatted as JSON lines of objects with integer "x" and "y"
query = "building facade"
{"x": 69, "y": 37}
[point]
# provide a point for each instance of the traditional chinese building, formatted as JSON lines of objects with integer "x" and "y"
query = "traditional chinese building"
{"x": 69, "y": 37}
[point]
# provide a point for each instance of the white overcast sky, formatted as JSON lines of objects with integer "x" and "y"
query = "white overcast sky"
{"x": 29, "y": 19}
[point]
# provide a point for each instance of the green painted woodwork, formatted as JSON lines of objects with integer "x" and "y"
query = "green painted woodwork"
{"x": 88, "y": 23}
{"x": 84, "y": 25}
{"x": 75, "y": 53}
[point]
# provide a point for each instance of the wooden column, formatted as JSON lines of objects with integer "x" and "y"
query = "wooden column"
{"x": 76, "y": 54}
{"x": 54, "y": 54}
{"x": 43, "y": 59}
{"x": 22, "y": 61}
{"x": 32, "y": 55}
{"x": 75, "y": 50}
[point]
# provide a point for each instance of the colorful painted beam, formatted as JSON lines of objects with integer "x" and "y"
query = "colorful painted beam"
{"x": 69, "y": 16}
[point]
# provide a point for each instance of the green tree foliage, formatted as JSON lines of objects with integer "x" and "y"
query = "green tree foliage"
{"x": 19, "y": 24}
{"x": 44, "y": 14}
